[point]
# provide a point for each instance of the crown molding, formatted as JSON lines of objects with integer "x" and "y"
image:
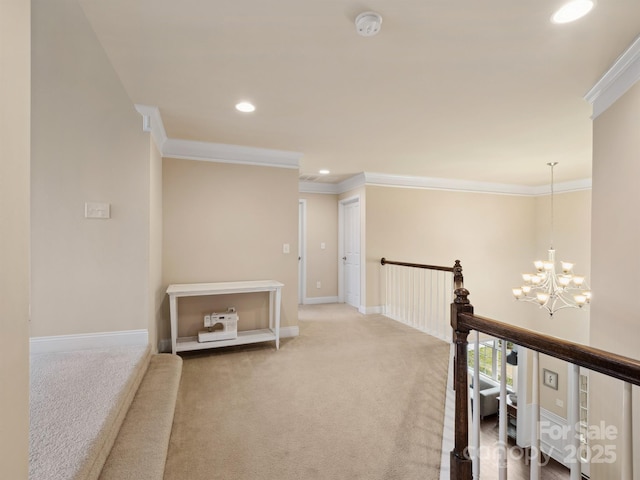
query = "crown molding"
{"x": 451, "y": 185}
{"x": 564, "y": 187}
{"x": 470, "y": 186}
{"x": 357, "y": 181}
{"x": 211, "y": 152}
{"x": 315, "y": 187}
{"x": 622, "y": 75}
{"x": 446, "y": 184}
{"x": 344, "y": 186}
{"x": 222, "y": 153}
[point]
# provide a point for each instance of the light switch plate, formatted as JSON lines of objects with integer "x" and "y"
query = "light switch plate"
{"x": 97, "y": 210}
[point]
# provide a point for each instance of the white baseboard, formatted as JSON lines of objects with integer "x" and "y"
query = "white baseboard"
{"x": 288, "y": 332}
{"x": 319, "y": 300}
{"x": 164, "y": 346}
{"x": 371, "y": 310}
{"x": 84, "y": 341}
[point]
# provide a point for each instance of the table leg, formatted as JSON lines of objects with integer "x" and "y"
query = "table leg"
{"x": 173, "y": 311}
{"x": 277, "y": 319}
{"x": 271, "y": 309}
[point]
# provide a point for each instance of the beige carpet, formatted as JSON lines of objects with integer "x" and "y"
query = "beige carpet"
{"x": 353, "y": 397}
{"x": 77, "y": 402}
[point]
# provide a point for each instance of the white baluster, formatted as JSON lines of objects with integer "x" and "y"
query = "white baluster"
{"x": 475, "y": 437}
{"x": 405, "y": 301}
{"x": 416, "y": 298}
{"x": 574, "y": 419}
{"x": 449, "y": 299}
{"x": 535, "y": 419}
{"x": 385, "y": 272}
{"x": 627, "y": 439}
{"x": 502, "y": 415}
{"x": 433, "y": 304}
{"x": 441, "y": 299}
{"x": 412, "y": 298}
{"x": 438, "y": 309}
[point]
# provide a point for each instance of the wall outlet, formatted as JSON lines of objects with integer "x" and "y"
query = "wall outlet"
{"x": 559, "y": 402}
{"x": 323, "y": 246}
{"x": 318, "y": 284}
{"x": 286, "y": 248}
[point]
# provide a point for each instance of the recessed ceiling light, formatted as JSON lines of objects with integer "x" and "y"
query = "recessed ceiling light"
{"x": 245, "y": 107}
{"x": 573, "y": 10}
{"x": 324, "y": 171}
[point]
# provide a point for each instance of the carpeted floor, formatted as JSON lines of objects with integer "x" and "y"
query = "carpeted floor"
{"x": 77, "y": 402}
{"x": 353, "y": 397}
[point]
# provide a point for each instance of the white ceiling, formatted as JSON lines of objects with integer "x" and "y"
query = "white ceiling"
{"x": 484, "y": 90}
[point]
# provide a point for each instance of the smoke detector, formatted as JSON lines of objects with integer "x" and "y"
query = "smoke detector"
{"x": 368, "y": 23}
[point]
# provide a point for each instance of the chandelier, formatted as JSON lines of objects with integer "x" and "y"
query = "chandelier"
{"x": 553, "y": 289}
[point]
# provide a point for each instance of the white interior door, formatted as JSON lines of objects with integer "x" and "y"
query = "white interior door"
{"x": 351, "y": 252}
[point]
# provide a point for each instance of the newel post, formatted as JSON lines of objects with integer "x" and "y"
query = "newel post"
{"x": 460, "y": 458}
{"x": 458, "y": 279}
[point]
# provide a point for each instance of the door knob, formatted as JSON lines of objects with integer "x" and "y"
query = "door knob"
{"x": 344, "y": 258}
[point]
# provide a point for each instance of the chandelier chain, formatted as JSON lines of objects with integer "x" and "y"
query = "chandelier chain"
{"x": 552, "y": 164}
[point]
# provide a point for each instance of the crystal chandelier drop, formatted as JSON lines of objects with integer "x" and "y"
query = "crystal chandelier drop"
{"x": 553, "y": 289}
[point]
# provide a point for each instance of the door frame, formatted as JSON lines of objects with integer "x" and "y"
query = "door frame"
{"x": 341, "y": 206}
{"x": 302, "y": 251}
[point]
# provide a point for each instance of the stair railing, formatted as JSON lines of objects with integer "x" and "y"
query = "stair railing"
{"x": 420, "y": 295}
{"x": 463, "y": 321}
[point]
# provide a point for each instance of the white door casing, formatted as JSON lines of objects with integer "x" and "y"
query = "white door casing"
{"x": 302, "y": 237}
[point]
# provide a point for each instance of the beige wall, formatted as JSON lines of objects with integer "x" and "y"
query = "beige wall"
{"x": 225, "y": 222}
{"x": 615, "y": 257}
{"x": 321, "y": 227}
{"x": 548, "y": 395}
{"x": 156, "y": 290}
{"x": 87, "y": 145}
{"x": 490, "y": 234}
{"x": 14, "y": 237}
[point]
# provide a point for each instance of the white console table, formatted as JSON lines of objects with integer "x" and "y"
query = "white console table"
{"x": 224, "y": 288}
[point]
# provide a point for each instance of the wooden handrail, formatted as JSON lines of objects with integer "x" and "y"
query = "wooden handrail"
{"x": 458, "y": 280}
{"x": 384, "y": 261}
{"x": 601, "y": 361}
